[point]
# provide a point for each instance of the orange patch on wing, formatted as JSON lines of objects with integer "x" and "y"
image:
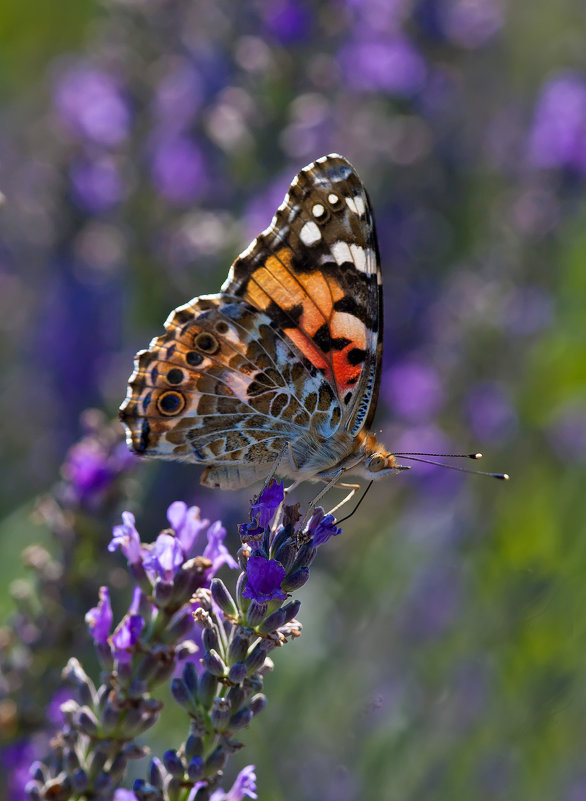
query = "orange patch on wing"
{"x": 306, "y": 346}
{"x": 346, "y": 374}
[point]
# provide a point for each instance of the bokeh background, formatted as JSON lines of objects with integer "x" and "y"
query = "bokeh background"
{"x": 143, "y": 143}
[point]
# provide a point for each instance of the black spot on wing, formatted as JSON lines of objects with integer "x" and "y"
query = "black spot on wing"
{"x": 356, "y": 356}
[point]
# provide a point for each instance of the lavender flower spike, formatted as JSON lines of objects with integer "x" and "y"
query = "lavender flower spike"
{"x": 264, "y": 579}
{"x": 99, "y": 619}
{"x": 127, "y": 538}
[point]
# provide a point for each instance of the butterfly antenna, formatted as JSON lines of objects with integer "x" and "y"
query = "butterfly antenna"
{"x": 357, "y": 505}
{"x": 413, "y": 458}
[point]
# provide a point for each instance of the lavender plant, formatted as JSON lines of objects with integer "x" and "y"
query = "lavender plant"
{"x": 183, "y": 626}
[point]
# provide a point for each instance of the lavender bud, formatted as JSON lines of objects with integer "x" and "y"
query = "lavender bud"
{"x": 32, "y": 791}
{"x": 267, "y": 667}
{"x": 184, "y": 584}
{"x": 69, "y": 710}
{"x": 179, "y": 627}
{"x": 102, "y": 782}
{"x": 137, "y": 689}
{"x": 237, "y": 649}
{"x": 147, "y": 667}
{"x": 165, "y": 669}
{"x": 185, "y": 650}
{"x": 163, "y": 593}
{"x": 207, "y": 689}
{"x": 243, "y": 555}
{"x": 291, "y": 609}
{"x": 139, "y": 576}
{"x": 110, "y": 717}
{"x": 189, "y": 676}
{"x": 181, "y": 694}
{"x": 237, "y": 672}
{"x": 173, "y": 763}
{"x": 86, "y": 721}
{"x": 79, "y": 780}
{"x": 243, "y": 603}
{"x": 237, "y": 696}
{"x": 272, "y": 622}
{"x": 96, "y": 762}
{"x": 255, "y": 659}
{"x": 257, "y": 703}
{"x": 223, "y": 598}
{"x": 38, "y": 772}
{"x": 195, "y": 769}
{"x": 193, "y": 747}
{"x": 145, "y": 791}
{"x": 210, "y": 639}
{"x": 203, "y": 597}
{"x": 155, "y": 773}
{"x": 134, "y": 751}
{"x": 305, "y": 556}
{"x": 76, "y": 675}
{"x": 105, "y": 656}
{"x": 295, "y": 580}
{"x": 212, "y": 661}
{"x": 71, "y": 761}
{"x": 241, "y": 719}
{"x": 256, "y": 614}
{"x": 286, "y": 555}
{"x": 118, "y": 767}
{"x": 220, "y": 714}
{"x": 216, "y": 761}
{"x": 281, "y": 537}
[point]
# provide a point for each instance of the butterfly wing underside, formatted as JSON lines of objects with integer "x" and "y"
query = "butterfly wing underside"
{"x": 291, "y": 345}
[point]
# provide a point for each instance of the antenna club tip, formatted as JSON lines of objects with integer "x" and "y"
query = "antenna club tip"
{"x": 501, "y": 476}
{"x": 506, "y": 476}
{"x": 476, "y": 456}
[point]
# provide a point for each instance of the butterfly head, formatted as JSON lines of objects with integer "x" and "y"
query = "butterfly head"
{"x": 376, "y": 460}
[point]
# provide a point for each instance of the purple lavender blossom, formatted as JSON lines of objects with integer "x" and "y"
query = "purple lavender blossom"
{"x": 558, "y": 135}
{"x": 127, "y": 538}
{"x": 385, "y": 64}
{"x": 264, "y": 579}
{"x": 267, "y": 503}
{"x": 126, "y": 636}
{"x": 322, "y": 527}
{"x": 216, "y": 551}
{"x": 413, "y": 390}
{"x": 124, "y": 795}
{"x": 178, "y": 170}
{"x": 244, "y": 785}
{"x": 471, "y": 23}
{"x": 187, "y": 524}
{"x": 164, "y": 558}
{"x": 97, "y": 184}
{"x": 91, "y": 466}
{"x": 90, "y": 103}
{"x": 567, "y": 430}
{"x": 99, "y": 619}
{"x": 178, "y": 97}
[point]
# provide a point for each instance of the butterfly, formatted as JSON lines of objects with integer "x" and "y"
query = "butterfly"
{"x": 281, "y": 369}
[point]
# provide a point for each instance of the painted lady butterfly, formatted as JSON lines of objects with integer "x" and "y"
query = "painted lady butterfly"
{"x": 281, "y": 369}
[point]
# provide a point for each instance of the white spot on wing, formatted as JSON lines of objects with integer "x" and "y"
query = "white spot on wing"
{"x": 356, "y": 204}
{"x": 318, "y": 210}
{"x": 358, "y": 257}
{"x": 310, "y": 234}
{"x": 341, "y": 252}
{"x": 332, "y": 198}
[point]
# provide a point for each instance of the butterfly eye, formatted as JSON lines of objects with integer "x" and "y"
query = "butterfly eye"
{"x": 376, "y": 463}
{"x": 170, "y": 403}
{"x": 206, "y": 342}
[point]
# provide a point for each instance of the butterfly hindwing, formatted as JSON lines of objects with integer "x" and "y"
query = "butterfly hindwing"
{"x": 316, "y": 272}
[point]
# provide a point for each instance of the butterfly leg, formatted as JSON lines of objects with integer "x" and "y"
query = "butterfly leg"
{"x": 329, "y": 484}
{"x": 353, "y": 488}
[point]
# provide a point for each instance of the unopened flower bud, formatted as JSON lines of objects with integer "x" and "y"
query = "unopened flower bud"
{"x": 195, "y": 768}
{"x": 163, "y": 593}
{"x": 216, "y": 761}
{"x": 210, "y": 639}
{"x": 286, "y": 554}
{"x": 256, "y": 614}
{"x": 32, "y": 791}
{"x": 189, "y": 676}
{"x": 207, "y": 689}
{"x": 156, "y": 773}
{"x": 76, "y": 675}
{"x": 237, "y": 649}
{"x": 86, "y": 721}
{"x": 256, "y": 657}
{"x": 79, "y": 780}
{"x": 193, "y": 747}
{"x": 173, "y": 763}
{"x": 212, "y": 661}
{"x": 220, "y": 714}
{"x": 295, "y": 580}
{"x": 237, "y": 695}
{"x": 257, "y": 703}
{"x": 237, "y": 672}
{"x": 223, "y": 598}
{"x": 272, "y": 622}
{"x": 291, "y": 609}
{"x": 181, "y": 694}
{"x": 241, "y": 719}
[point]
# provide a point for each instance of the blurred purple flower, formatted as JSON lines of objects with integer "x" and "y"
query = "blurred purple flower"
{"x": 287, "y": 20}
{"x": 260, "y": 211}
{"x": 264, "y": 578}
{"x": 413, "y": 390}
{"x": 124, "y": 795}
{"x": 91, "y": 466}
{"x": 379, "y": 15}
{"x": 567, "y": 430}
{"x": 127, "y": 538}
{"x": 558, "y": 135}
{"x": 178, "y": 170}
{"x": 271, "y": 497}
{"x": 471, "y": 23}
{"x": 90, "y": 103}
{"x": 126, "y": 636}
{"x": 54, "y": 714}
{"x": 322, "y": 527}
{"x": 187, "y": 524}
{"x": 17, "y": 759}
{"x": 99, "y": 619}
{"x": 390, "y": 65}
{"x": 216, "y": 551}
{"x": 96, "y": 184}
{"x": 164, "y": 558}
{"x": 244, "y": 785}
{"x": 178, "y": 97}
{"x": 490, "y": 413}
